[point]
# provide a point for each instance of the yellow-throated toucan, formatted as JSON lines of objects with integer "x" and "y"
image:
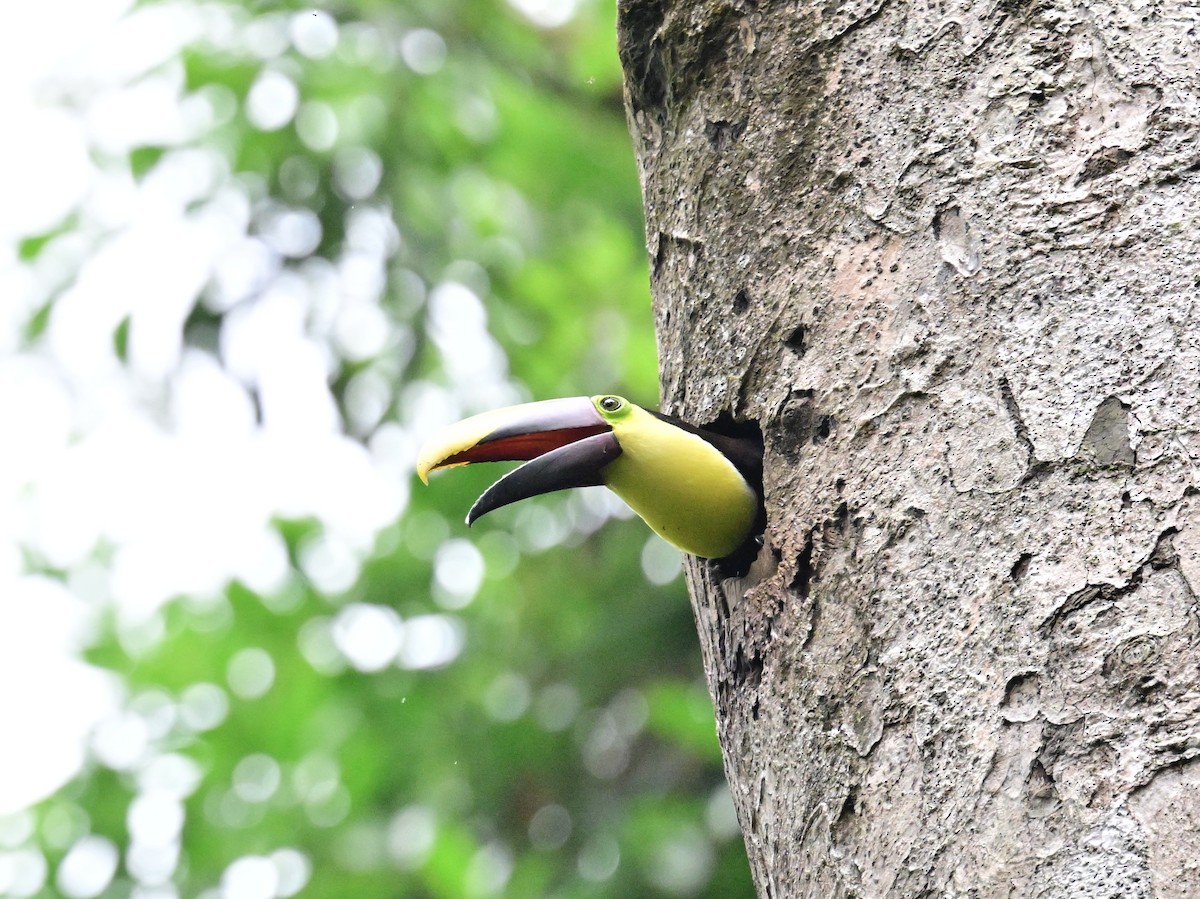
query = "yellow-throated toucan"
{"x": 699, "y": 490}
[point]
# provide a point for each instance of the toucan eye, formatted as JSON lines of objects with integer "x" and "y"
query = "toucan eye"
{"x": 611, "y": 403}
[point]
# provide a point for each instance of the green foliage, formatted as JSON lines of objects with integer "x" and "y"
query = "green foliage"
{"x": 562, "y": 744}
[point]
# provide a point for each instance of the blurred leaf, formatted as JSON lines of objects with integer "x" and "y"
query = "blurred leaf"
{"x": 682, "y": 713}
{"x": 121, "y": 339}
{"x": 143, "y": 159}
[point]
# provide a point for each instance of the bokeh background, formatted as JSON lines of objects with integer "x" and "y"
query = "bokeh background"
{"x": 250, "y": 254}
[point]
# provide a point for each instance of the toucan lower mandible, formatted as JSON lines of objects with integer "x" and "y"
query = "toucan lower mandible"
{"x": 698, "y": 490}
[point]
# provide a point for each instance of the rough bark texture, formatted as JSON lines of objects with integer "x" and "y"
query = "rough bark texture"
{"x": 947, "y": 256}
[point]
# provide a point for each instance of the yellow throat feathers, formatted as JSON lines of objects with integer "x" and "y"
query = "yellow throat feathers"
{"x": 682, "y": 486}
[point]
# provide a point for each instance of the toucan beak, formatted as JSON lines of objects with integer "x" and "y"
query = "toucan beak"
{"x": 567, "y": 441}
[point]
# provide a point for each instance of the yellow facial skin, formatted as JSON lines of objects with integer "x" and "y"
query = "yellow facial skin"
{"x": 687, "y": 491}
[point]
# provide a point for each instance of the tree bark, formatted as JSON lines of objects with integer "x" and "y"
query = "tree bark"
{"x": 947, "y": 256}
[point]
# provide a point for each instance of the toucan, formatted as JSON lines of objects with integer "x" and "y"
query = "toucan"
{"x": 697, "y": 489}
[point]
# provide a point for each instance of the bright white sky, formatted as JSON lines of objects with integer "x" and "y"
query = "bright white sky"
{"x": 157, "y": 458}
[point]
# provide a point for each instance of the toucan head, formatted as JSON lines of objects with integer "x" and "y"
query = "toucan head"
{"x": 699, "y": 490}
{"x": 564, "y": 442}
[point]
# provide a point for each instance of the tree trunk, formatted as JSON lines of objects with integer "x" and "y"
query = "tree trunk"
{"x": 946, "y": 255}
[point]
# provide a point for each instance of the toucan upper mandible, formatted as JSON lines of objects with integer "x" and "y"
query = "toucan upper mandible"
{"x": 698, "y": 490}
